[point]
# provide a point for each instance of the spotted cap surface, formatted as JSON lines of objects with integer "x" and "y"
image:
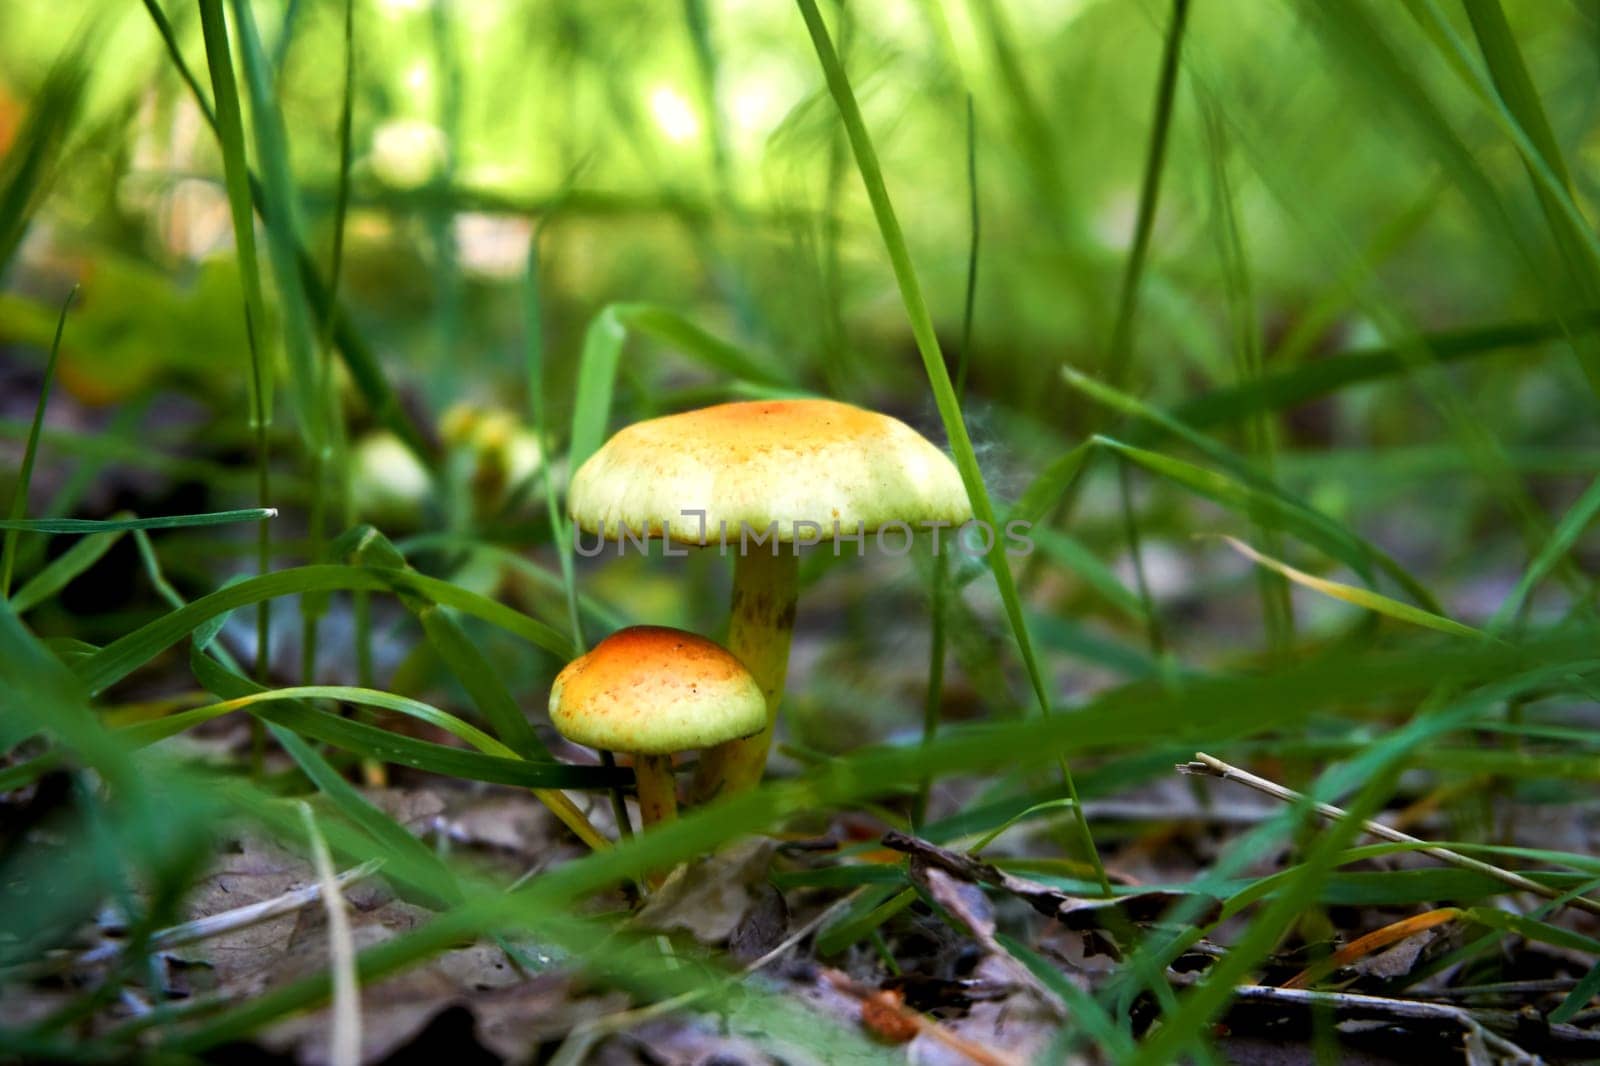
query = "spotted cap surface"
{"x": 765, "y": 462}
{"x": 652, "y": 690}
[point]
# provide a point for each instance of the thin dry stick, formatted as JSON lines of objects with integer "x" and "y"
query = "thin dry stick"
{"x": 1384, "y": 1007}
{"x": 1211, "y": 766}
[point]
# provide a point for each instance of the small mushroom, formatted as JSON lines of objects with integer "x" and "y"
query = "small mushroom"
{"x": 650, "y": 691}
{"x": 805, "y": 471}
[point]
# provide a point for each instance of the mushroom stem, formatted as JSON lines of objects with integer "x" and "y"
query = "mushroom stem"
{"x": 764, "y": 590}
{"x": 658, "y": 791}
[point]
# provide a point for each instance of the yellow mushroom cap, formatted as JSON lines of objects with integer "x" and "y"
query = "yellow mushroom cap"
{"x": 652, "y": 690}
{"x": 765, "y": 462}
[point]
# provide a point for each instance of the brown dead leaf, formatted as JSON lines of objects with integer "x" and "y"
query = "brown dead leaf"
{"x": 512, "y": 1016}
{"x": 761, "y": 927}
{"x": 707, "y": 897}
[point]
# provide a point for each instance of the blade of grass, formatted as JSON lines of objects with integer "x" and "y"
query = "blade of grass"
{"x": 282, "y": 225}
{"x": 403, "y": 850}
{"x": 559, "y": 530}
{"x": 126, "y": 654}
{"x": 228, "y": 122}
{"x": 1572, "y": 526}
{"x": 933, "y": 701}
{"x": 1288, "y": 514}
{"x": 1120, "y": 352}
{"x": 370, "y": 741}
{"x": 483, "y": 684}
{"x": 358, "y": 356}
{"x": 1324, "y": 377}
{"x": 1277, "y": 609}
{"x": 938, "y": 375}
{"x": 149, "y": 731}
{"x": 602, "y": 353}
{"x": 1155, "y": 634}
{"x": 26, "y": 166}
{"x": 19, "y": 497}
{"x": 324, "y": 466}
{"x": 69, "y": 565}
{"x": 111, "y": 525}
{"x": 1363, "y": 598}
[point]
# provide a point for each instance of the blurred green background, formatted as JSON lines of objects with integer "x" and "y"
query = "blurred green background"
{"x": 1339, "y": 183}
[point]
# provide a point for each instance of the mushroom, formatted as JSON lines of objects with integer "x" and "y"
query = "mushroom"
{"x": 650, "y": 691}
{"x": 765, "y": 478}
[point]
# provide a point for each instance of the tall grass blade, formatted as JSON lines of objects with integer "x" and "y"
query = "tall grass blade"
{"x": 1120, "y": 352}
{"x": 938, "y": 375}
{"x": 1572, "y": 526}
{"x": 28, "y": 163}
{"x": 431, "y": 874}
{"x": 359, "y": 358}
{"x": 19, "y": 498}
{"x": 1359, "y": 597}
{"x": 61, "y": 572}
{"x": 329, "y": 465}
{"x": 126, "y": 654}
{"x": 228, "y": 121}
{"x": 281, "y": 218}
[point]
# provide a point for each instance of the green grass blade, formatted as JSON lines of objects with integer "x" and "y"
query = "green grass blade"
{"x": 1083, "y": 1010}
{"x": 1050, "y": 485}
{"x": 674, "y": 330}
{"x": 597, "y": 375}
{"x": 358, "y": 356}
{"x": 1324, "y": 377}
{"x": 430, "y": 874}
{"x": 475, "y": 674}
{"x": 1364, "y": 598}
{"x": 19, "y": 498}
{"x": 281, "y": 218}
{"x": 148, "y": 732}
{"x": 1284, "y": 512}
{"x": 1120, "y": 352}
{"x": 602, "y": 353}
{"x": 944, "y": 394}
{"x": 60, "y": 573}
{"x": 369, "y": 741}
{"x": 27, "y": 165}
{"x": 1576, "y": 1000}
{"x": 331, "y": 464}
{"x": 107, "y": 525}
{"x": 126, "y": 654}
{"x": 534, "y": 360}
{"x": 228, "y": 121}
{"x": 1572, "y": 526}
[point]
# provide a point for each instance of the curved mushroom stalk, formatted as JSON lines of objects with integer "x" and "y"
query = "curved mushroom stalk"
{"x": 764, "y": 591}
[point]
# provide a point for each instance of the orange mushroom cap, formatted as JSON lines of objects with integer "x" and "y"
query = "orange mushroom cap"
{"x": 653, "y": 690}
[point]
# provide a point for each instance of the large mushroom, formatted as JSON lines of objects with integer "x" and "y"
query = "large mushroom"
{"x": 764, "y": 478}
{"x": 651, "y": 691}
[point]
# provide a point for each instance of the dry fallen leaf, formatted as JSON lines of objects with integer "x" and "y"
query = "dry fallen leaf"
{"x": 707, "y": 897}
